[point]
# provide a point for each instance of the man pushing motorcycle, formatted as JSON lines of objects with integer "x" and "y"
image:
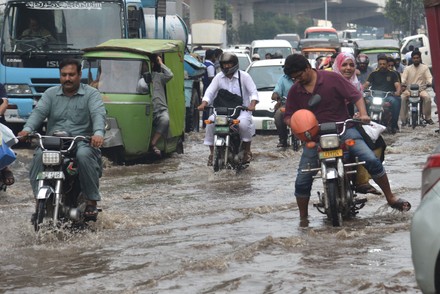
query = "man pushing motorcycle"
{"x": 78, "y": 109}
{"x": 335, "y": 91}
{"x": 239, "y": 83}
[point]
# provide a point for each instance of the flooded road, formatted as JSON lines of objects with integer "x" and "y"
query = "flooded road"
{"x": 176, "y": 227}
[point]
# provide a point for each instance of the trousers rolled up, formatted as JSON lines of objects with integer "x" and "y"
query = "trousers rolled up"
{"x": 246, "y": 128}
{"x": 89, "y": 167}
{"x": 426, "y": 105}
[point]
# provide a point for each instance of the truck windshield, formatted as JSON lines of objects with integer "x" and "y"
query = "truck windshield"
{"x": 57, "y": 26}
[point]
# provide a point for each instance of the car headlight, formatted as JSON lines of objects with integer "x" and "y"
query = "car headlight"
{"x": 51, "y": 158}
{"x": 377, "y": 101}
{"x": 18, "y": 89}
{"x": 329, "y": 141}
{"x": 221, "y": 120}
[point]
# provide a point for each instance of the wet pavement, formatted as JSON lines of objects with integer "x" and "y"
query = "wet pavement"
{"x": 173, "y": 226}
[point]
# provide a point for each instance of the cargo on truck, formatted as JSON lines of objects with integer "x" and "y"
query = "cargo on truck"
{"x": 209, "y": 33}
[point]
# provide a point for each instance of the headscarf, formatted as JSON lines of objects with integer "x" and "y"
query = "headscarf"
{"x": 340, "y": 59}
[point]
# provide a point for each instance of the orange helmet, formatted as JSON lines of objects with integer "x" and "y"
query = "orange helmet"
{"x": 304, "y": 125}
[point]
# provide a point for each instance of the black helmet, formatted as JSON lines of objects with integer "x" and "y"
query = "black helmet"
{"x": 362, "y": 58}
{"x": 229, "y": 57}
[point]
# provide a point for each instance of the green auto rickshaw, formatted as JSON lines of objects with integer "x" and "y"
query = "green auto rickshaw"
{"x": 116, "y": 68}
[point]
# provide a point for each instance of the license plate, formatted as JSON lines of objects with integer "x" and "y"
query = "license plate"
{"x": 269, "y": 125}
{"x": 50, "y": 175}
{"x": 330, "y": 154}
{"x": 224, "y": 129}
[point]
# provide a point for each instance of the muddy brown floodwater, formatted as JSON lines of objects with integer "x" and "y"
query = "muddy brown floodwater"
{"x": 173, "y": 226}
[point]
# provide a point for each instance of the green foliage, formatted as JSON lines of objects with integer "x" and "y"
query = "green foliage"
{"x": 407, "y": 15}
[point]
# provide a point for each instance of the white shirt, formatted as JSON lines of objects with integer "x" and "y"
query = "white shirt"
{"x": 220, "y": 81}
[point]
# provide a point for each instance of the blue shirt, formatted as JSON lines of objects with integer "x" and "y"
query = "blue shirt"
{"x": 283, "y": 85}
{"x": 82, "y": 114}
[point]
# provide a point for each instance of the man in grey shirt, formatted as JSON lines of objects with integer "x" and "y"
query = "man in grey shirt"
{"x": 78, "y": 109}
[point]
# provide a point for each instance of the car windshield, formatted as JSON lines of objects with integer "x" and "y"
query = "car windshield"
{"x": 243, "y": 62}
{"x": 281, "y": 52}
{"x": 266, "y": 77}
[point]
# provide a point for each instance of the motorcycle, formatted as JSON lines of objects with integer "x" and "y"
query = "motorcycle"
{"x": 228, "y": 147}
{"x": 378, "y": 109}
{"x": 338, "y": 201}
{"x": 59, "y": 196}
{"x": 415, "y": 102}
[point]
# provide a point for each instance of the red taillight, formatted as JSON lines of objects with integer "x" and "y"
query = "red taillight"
{"x": 430, "y": 173}
{"x": 433, "y": 161}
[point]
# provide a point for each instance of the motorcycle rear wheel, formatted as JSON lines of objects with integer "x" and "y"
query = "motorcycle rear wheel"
{"x": 333, "y": 210}
{"x": 40, "y": 213}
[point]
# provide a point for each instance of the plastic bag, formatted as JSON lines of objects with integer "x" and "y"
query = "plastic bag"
{"x": 7, "y": 135}
{"x": 374, "y": 130}
{"x": 7, "y": 156}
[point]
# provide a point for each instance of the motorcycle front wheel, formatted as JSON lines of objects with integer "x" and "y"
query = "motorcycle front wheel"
{"x": 414, "y": 118}
{"x": 218, "y": 160}
{"x": 333, "y": 211}
{"x": 40, "y": 213}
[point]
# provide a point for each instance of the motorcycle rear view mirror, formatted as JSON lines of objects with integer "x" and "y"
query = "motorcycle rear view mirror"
{"x": 314, "y": 100}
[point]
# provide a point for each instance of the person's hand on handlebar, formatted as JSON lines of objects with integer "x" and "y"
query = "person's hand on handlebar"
{"x": 202, "y": 106}
{"x": 363, "y": 118}
{"x": 22, "y": 135}
{"x": 96, "y": 141}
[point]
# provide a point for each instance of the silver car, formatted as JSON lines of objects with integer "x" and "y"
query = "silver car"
{"x": 425, "y": 228}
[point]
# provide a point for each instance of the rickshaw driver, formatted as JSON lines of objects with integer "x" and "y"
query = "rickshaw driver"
{"x": 237, "y": 82}
{"x": 79, "y": 109}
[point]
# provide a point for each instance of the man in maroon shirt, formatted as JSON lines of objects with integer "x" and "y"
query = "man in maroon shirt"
{"x": 335, "y": 92}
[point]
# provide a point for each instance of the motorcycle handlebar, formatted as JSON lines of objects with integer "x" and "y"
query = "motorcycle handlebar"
{"x": 73, "y": 140}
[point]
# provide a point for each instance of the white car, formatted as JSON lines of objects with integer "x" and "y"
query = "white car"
{"x": 425, "y": 229}
{"x": 265, "y": 74}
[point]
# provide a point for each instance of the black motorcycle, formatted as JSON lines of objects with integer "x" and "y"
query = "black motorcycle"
{"x": 415, "y": 107}
{"x": 228, "y": 147}
{"x": 59, "y": 196}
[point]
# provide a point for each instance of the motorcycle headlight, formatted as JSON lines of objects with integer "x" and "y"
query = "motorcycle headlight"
{"x": 51, "y": 158}
{"x": 221, "y": 120}
{"x": 329, "y": 141}
{"x": 414, "y": 93}
{"x": 18, "y": 89}
{"x": 377, "y": 101}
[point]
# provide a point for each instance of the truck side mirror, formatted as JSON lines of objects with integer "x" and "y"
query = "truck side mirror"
{"x": 147, "y": 77}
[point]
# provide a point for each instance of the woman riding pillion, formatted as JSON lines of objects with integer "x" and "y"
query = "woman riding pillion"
{"x": 239, "y": 83}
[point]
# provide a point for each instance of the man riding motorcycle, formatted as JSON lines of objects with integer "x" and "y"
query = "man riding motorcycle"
{"x": 362, "y": 62}
{"x": 281, "y": 90}
{"x": 78, "y": 109}
{"x": 385, "y": 80}
{"x": 239, "y": 83}
{"x": 416, "y": 73}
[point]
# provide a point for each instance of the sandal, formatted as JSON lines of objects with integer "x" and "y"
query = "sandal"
{"x": 401, "y": 205}
{"x": 91, "y": 213}
{"x": 156, "y": 150}
{"x": 7, "y": 176}
{"x": 366, "y": 189}
{"x": 210, "y": 160}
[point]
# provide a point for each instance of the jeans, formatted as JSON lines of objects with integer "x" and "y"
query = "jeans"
{"x": 304, "y": 180}
{"x": 395, "y": 102}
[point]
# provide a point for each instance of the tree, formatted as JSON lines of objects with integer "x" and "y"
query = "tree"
{"x": 407, "y": 15}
